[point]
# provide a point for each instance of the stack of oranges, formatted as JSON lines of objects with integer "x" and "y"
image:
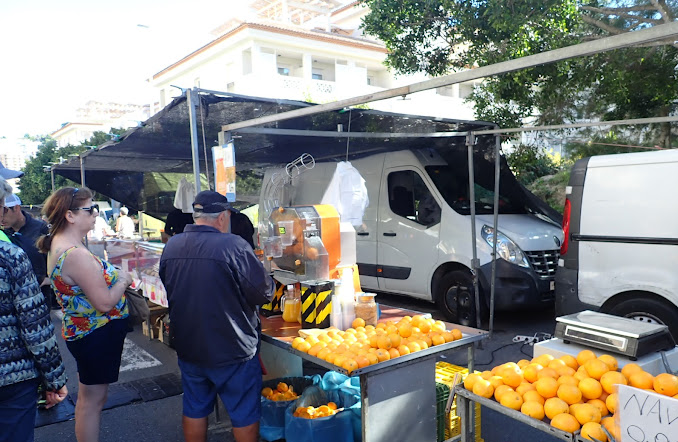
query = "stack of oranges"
{"x": 572, "y": 392}
{"x": 282, "y": 392}
{"x": 311, "y": 412}
{"x": 363, "y": 345}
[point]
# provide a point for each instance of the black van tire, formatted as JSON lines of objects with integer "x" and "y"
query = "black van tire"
{"x": 649, "y": 310}
{"x": 456, "y": 298}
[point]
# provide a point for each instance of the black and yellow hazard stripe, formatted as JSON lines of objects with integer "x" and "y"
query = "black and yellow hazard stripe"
{"x": 307, "y": 307}
{"x": 273, "y": 307}
{"x": 323, "y": 304}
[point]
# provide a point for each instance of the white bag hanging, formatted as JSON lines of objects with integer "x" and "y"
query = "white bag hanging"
{"x": 185, "y": 195}
{"x": 347, "y": 193}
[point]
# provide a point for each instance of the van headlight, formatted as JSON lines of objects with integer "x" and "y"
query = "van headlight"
{"x": 506, "y": 249}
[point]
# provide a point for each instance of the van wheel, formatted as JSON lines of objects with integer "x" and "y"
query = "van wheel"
{"x": 653, "y": 311}
{"x": 456, "y": 298}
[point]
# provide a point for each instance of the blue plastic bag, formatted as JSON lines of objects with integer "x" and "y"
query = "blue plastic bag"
{"x": 331, "y": 383}
{"x": 349, "y": 394}
{"x": 335, "y": 428}
{"x": 272, "y": 423}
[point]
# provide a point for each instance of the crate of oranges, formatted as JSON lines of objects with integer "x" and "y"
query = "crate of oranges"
{"x": 276, "y": 396}
{"x": 575, "y": 394}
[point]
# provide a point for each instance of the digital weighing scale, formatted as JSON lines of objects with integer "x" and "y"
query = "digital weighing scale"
{"x": 615, "y": 334}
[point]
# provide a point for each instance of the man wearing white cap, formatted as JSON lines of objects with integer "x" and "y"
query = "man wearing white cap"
{"x": 24, "y": 231}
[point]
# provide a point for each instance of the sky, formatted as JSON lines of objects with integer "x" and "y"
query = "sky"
{"x": 57, "y": 55}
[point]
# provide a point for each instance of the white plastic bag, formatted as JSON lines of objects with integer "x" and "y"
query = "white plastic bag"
{"x": 347, "y": 193}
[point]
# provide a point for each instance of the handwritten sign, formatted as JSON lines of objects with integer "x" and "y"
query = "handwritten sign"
{"x": 646, "y": 416}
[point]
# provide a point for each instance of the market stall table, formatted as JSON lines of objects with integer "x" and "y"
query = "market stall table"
{"x": 399, "y": 395}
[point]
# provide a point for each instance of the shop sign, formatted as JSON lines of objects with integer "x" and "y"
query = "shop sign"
{"x": 224, "y": 170}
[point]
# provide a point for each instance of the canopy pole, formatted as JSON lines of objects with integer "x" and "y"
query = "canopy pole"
{"x": 192, "y": 98}
{"x": 51, "y": 172}
{"x": 497, "y": 165}
{"x": 470, "y": 142}
{"x": 82, "y": 170}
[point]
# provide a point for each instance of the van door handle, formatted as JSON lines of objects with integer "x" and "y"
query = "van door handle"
{"x": 363, "y": 233}
{"x": 389, "y": 234}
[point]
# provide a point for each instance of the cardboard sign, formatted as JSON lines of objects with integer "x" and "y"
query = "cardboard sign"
{"x": 646, "y": 416}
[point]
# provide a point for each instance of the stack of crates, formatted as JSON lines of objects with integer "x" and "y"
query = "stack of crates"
{"x": 445, "y": 374}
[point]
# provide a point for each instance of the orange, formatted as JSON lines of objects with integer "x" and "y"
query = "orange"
{"x": 384, "y": 342}
{"x": 593, "y": 430}
{"x": 449, "y": 337}
{"x": 512, "y": 400}
{"x": 533, "y": 409}
{"x": 500, "y": 390}
{"x": 628, "y": 369}
{"x": 581, "y": 373}
{"x": 422, "y": 344}
{"x": 590, "y": 388}
{"x": 358, "y": 322}
{"x": 395, "y": 339}
{"x": 304, "y": 346}
{"x": 543, "y": 359}
{"x": 523, "y": 363}
{"x": 585, "y": 356}
{"x": 533, "y": 396}
{"x": 666, "y": 384}
{"x": 547, "y": 372}
{"x": 362, "y": 361}
{"x": 610, "y": 360}
{"x": 524, "y": 388}
{"x": 296, "y": 342}
{"x": 331, "y": 405}
{"x": 587, "y": 413}
{"x": 483, "y": 388}
{"x": 496, "y": 381}
{"x": 530, "y": 371}
{"x": 350, "y": 365}
{"x": 393, "y": 352}
{"x": 612, "y": 378}
{"x": 403, "y": 350}
{"x": 456, "y": 333}
{"x": 569, "y": 393}
{"x": 565, "y": 371}
{"x": 312, "y": 340}
{"x": 565, "y": 422}
{"x": 313, "y": 351}
{"x": 413, "y": 346}
{"x": 600, "y": 404}
{"x": 571, "y": 380}
{"x": 266, "y": 392}
{"x": 438, "y": 326}
{"x": 641, "y": 379}
{"x": 438, "y": 339}
{"x": 612, "y": 427}
{"x": 383, "y": 355}
{"x": 282, "y": 387}
{"x": 596, "y": 368}
{"x": 511, "y": 376}
{"x": 556, "y": 364}
{"x": 547, "y": 387}
{"x": 323, "y": 353}
{"x": 612, "y": 402}
{"x": 372, "y": 357}
{"x": 555, "y": 406}
{"x": 570, "y": 361}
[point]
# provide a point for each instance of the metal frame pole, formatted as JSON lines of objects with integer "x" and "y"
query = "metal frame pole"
{"x": 470, "y": 142}
{"x": 497, "y": 165}
{"x": 82, "y": 170}
{"x": 192, "y": 100}
{"x": 51, "y": 172}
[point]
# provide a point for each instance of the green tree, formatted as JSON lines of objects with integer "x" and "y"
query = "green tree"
{"x": 36, "y": 184}
{"x": 529, "y": 163}
{"x": 442, "y": 36}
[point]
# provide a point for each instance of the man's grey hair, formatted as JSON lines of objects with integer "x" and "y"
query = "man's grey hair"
{"x": 124, "y": 210}
{"x": 5, "y": 190}
{"x": 208, "y": 216}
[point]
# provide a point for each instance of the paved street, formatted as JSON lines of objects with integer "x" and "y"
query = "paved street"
{"x": 147, "y": 362}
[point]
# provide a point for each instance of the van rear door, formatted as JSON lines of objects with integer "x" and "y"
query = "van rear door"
{"x": 408, "y": 232}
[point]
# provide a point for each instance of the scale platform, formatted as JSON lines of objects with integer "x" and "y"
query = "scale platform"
{"x": 613, "y": 334}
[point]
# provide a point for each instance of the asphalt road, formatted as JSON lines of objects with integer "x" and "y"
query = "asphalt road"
{"x": 160, "y": 420}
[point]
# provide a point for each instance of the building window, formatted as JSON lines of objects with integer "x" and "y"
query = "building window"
{"x": 284, "y": 71}
{"x": 370, "y": 80}
{"x": 317, "y": 76}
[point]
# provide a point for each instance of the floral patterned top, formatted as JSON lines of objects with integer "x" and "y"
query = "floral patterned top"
{"x": 80, "y": 317}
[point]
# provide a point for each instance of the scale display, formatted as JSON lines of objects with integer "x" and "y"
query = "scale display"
{"x": 613, "y": 333}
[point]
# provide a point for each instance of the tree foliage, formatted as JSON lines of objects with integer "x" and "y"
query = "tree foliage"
{"x": 36, "y": 184}
{"x": 442, "y": 36}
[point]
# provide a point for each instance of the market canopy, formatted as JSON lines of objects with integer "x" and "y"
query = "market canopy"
{"x": 142, "y": 169}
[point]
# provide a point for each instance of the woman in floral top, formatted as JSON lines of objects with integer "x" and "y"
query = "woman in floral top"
{"x": 91, "y": 294}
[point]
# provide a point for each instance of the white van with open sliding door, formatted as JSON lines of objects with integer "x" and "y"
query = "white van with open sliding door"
{"x": 415, "y": 239}
{"x": 620, "y": 253}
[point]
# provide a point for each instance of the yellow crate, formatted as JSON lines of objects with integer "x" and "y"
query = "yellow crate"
{"x": 445, "y": 374}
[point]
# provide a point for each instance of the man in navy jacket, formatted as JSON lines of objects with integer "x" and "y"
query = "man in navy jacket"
{"x": 214, "y": 283}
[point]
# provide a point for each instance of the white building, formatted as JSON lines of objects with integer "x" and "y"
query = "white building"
{"x": 311, "y": 50}
{"x": 97, "y": 116}
{"x": 15, "y": 152}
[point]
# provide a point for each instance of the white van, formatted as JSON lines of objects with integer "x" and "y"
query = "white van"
{"x": 415, "y": 239}
{"x": 620, "y": 255}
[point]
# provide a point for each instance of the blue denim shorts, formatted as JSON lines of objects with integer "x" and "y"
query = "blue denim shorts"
{"x": 18, "y": 404}
{"x": 238, "y": 386}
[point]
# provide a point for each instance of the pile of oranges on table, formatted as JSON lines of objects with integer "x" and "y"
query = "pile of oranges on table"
{"x": 363, "y": 345}
{"x": 311, "y": 412}
{"x": 572, "y": 392}
{"x": 282, "y": 392}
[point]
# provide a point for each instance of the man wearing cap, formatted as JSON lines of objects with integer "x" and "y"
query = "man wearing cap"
{"x": 214, "y": 283}
{"x": 24, "y": 231}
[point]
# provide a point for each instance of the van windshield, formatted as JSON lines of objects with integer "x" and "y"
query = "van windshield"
{"x": 454, "y": 189}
